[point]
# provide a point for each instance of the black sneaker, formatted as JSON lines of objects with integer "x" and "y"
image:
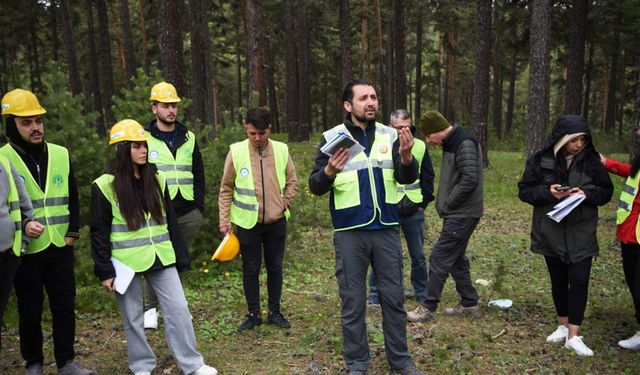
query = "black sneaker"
{"x": 252, "y": 321}
{"x": 277, "y": 319}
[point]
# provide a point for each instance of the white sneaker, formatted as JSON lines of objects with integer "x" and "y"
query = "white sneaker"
{"x": 559, "y": 335}
{"x": 632, "y": 343}
{"x": 151, "y": 319}
{"x": 206, "y": 370}
{"x": 576, "y": 344}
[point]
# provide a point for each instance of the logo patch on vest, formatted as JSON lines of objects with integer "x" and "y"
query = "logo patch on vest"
{"x": 383, "y": 149}
{"x": 244, "y": 172}
{"x": 57, "y": 180}
{"x": 153, "y": 155}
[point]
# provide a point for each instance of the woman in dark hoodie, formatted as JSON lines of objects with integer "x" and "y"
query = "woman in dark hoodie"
{"x": 568, "y": 165}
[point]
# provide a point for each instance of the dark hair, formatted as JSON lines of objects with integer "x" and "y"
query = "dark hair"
{"x": 259, "y": 117}
{"x": 131, "y": 207}
{"x": 347, "y": 93}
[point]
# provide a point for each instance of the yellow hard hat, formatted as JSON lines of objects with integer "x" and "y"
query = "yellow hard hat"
{"x": 23, "y": 103}
{"x": 228, "y": 249}
{"x": 127, "y": 130}
{"x": 164, "y": 92}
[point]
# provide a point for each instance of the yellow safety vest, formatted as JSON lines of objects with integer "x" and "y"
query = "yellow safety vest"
{"x": 413, "y": 190}
{"x": 178, "y": 169}
{"x": 627, "y": 196}
{"x": 244, "y": 206}
{"x": 355, "y": 199}
{"x": 13, "y": 203}
{"x": 137, "y": 249}
{"x": 50, "y": 207}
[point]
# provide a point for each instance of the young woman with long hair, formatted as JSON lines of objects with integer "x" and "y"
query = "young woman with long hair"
{"x": 133, "y": 223}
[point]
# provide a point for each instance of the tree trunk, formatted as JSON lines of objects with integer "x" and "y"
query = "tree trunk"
{"x": 93, "y": 69}
{"x": 635, "y": 140}
{"x": 291, "y": 72}
{"x": 539, "y": 77}
{"x": 70, "y": 49}
{"x": 345, "y": 41}
{"x": 255, "y": 52}
{"x": 575, "y": 57}
{"x": 512, "y": 91}
{"x": 587, "y": 79}
{"x": 171, "y": 51}
{"x": 440, "y": 78}
{"x": 35, "y": 57}
{"x": 496, "y": 59}
{"x": 400, "y": 52}
{"x": 271, "y": 85}
{"x": 201, "y": 74}
{"x": 127, "y": 39}
{"x": 450, "y": 90}
{"x": 304, "y": 73}
{"x": 610, "y": 117}
{"x": 417, "y": 113}
{"x": 55, "y": 42}
{"x": 364, "y": 40}
{"x": 386, "y": 110}
{"x": 146, "y": 60}
{"x": 105, "y": 60}
{"x": 239, "y": 68}
{"x": 480, "y": 103}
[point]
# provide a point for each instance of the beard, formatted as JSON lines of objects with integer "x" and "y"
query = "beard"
{"x": 364, "y": 118}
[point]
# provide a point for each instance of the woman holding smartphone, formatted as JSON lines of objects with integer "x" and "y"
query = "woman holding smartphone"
{"x": 568, "y": 165}
{"x": 132, "y": 221}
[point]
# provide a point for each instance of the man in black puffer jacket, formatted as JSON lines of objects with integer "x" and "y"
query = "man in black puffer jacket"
{"x": 460, "y": 203}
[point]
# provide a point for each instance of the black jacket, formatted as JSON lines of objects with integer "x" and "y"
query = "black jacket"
{"x": 460, "y": 189}
{"x": 181, "y": 205}
{"x": 320, "y": 183}
{"x": 574, "y": 238}
{"x": 101, "y": 218}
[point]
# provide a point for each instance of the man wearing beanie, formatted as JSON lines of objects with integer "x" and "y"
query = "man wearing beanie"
{"x": 459, "y": 203}
{"x": 47, "y": 263}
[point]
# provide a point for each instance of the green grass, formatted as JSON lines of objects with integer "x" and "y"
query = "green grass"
{"x": 502, "y": 342}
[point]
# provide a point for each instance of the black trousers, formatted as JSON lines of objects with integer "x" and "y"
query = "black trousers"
{"x": 631, "y": 267}
{"x": 448, "y": 258}
{"x": 270, "y": 239}
{"x": 50, "y": 270}
{"x": 569, "y": 287}
{"x": 8, "y": 266}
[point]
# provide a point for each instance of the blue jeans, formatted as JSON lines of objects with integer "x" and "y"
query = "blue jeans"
{"x": 413, "y": 230}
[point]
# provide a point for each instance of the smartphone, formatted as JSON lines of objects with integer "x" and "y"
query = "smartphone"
{"x": 563, "y": 188}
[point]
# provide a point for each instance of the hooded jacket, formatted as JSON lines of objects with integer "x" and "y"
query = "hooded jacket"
{"x": 574, "y": 238}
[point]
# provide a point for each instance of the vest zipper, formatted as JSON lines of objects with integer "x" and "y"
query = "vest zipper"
{"x": 264, "y": 202}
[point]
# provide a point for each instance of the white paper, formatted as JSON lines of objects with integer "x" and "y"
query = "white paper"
{"x": 330, "y": 147}
{"x": 124, "y": 275}
{"x": 565, "y": 206}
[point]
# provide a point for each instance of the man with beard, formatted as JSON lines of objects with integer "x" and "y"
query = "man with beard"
{"x": 363, "y": 196}
{"x": 174, "y": 150}
{"x": 48, "y": 260}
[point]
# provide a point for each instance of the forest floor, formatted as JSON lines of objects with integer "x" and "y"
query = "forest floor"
{"x": 501, "y": 342}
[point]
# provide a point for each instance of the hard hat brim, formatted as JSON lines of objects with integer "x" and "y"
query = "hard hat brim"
{"x": 33, "y": 112}
{"x": 228, "y": 248}
{"x": 129, "y": 139}
{"x": 166, "y": 100}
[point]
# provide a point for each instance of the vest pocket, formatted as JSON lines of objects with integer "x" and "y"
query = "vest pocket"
{"x": 346, "y": 192}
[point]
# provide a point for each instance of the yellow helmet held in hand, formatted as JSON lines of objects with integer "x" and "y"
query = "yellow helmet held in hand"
{"x": 228, "y": 249}
{"x": 164, "y": 92}
{"x": 22, "y": 103}
{"x": 127, "y": 130}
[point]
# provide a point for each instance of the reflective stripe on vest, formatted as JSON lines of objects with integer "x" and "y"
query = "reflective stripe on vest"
{"x": 137, "y": 249}
{"x": 627, "y": 196}
{"x": 244, "y": 205}
{"x": 413, "y": 190}
{"x": 348, "y": 209}
{"x": 178, "y": 169}
{"x": 13, "y": 203}
{"x": 51, "y": 206}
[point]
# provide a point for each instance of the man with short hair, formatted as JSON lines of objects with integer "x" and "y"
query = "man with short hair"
{"x": 258, "y": 185}
{"x": 174, "y": 150}
{"x": 460, "y": 205}
{"x": 414, "y": 200}
{"x": 48, "y": 260}
{"x": 363, "y": 196}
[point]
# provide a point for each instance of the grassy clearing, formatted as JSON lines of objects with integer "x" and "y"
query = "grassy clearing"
{"x": 502, "y": 342}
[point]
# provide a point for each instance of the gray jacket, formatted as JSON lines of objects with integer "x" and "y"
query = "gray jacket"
{"x": 460, "y": 187}
{"x": 7, "y": 229}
